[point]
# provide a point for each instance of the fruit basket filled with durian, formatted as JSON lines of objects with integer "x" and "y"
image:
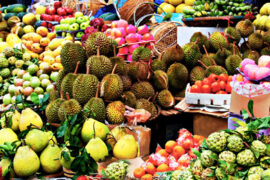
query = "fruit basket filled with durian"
{"x": 242, "y": 153}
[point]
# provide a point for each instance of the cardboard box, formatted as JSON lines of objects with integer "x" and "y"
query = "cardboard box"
{"x": 261, "y": 107}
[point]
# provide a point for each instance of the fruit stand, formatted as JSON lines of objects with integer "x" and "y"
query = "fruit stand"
{"x": 121, "y": 90}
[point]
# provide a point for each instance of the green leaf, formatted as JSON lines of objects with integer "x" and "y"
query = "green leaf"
{"x": 250, "y": 107}
{"x": 197, "y": 153}
{"x": 204, "y": 145}
{"x": 65, "y": 155}
{"x": 60, "y": 132}
{"x": 245, "y": 114}
{"x": 34, "y": 98}
{"x": 18, "y": 99}
{"x": 45, "y": 98}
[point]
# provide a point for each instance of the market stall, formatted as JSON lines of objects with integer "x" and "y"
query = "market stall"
{"x": 174, "y": 90}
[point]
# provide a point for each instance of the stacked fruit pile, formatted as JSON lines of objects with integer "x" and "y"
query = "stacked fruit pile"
{"x": 18, "y": 10}
{"x": 129, "y": 37}
{"x": 54, "y": 14}
{"x": 177, "y": 155}
{"x": 262, "y": 21}
{"x": 175, "y": 6}
{"x": 219, "y": 8}
{"x": 20, "y": 74}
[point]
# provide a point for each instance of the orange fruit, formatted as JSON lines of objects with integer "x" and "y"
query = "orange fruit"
{"x": 138, "y": 172}
{"x": 178, "y": 151}
{"x": 146, "y": 177}
{"x": 163, "y": 152}
{"x": 181, "y": 168}
{"x": 198, "y": 138}
{"x": 163, "y": 168}
{"x": 150, "y": 169}
{"x": 170, "y": 145}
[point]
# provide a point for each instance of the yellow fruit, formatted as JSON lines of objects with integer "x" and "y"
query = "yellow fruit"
{"x": 68, "y": 38}
{"x": 267, "y": 24}
{"x": 29, "y": 19}
{"x": 159, "y": 10}
{"x": 49, "y": 59}
{"x": 168, "y": 8}
{"x": 40, "y": 10}
{"x": 43, "y": 65}
{"x": 57, "y": 51}
{"x": 44, "y": 41}
{"x": 55, "y": 43}
{"x": 13, "y": 39}
{"x": 43, "y": 31}
{"x": 51, "y": 35}
{"x": 189, "y": 2}
{"x": 34, "y": 55}
{"x": 265, "y": 9}
{"x": 36, "y": 48}
{"x": 175, "y": 2}
{"x": 42, "y": 55}
{"x": 179, "y": 8}
{"x": 30, "y": 118}
{"x": 3, "y": 45}
{"x": 78, "y": 42}
{"x": 57, "y": 66}
{"x": 58, "y": 59}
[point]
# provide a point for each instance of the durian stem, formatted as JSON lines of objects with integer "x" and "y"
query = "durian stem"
{"x": 114, "y": 51}
{"x": 67, "y": 96}
{"x": 217, "y": 28}
{"x": 73, "y": 37}
{"x": 114, "y": 68}
{"x": 155, "y": 97}
{"x": 98, "y": 51}
{"x": 202, "y": 64}
{"x": 77, "y": 67}
{"x": 205, "y": 50}
{"x": 61, "y": 94}
{"x": 248, "y": 46}
{"x": 98, "y": 86}
{"x": 88, "y": 69}
{"x": 161, "y": 56}
{"x": 220, "y": 46}
{"x": 234, "y": 48}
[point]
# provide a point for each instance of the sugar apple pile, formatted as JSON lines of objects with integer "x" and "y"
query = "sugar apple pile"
{"x": 116, "y": 170}
{"x": 233, "y": 154}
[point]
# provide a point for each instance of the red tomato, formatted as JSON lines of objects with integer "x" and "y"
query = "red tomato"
{"x": 223, "y": 77}
{"x": 194, "y": 89}
{"x": 215, "y": 87}
{"x": 228, "y": 88}
{"x": 206, "y": 89}
{"x": 221, "y": 92}
{"x": 199, "y": 83}
{"x": 230, "y": 78}
{"x": 206, "y": 81}
{"x": 213, "y": 77}
{"x": 222, "y": 85}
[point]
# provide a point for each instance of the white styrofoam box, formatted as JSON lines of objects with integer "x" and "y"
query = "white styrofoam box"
{"x": 207, "y": 99}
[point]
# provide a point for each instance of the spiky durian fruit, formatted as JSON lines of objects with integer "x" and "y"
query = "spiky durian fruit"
{"x": 245, "y": 27}
{"x": 141, "y": 53}
{"x": 115, "y": 112}
{"x": 160, "y": 79}
{"x": 138, "y": 71}
{"x": 143, "y": 90}
{"x": 255, "y": 41}
{"x": 166, "y": 99}
{"x": 95, "y": 40}
{"x": 178, "y": 76}
{"x": 173, "y": 54}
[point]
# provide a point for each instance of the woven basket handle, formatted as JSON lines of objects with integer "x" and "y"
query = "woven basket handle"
{"x": 134, "y": 15}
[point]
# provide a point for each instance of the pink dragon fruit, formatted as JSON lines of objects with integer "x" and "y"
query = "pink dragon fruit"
{"x": 264, "y": 61}
{"x": 262, "y": 72}
{"x": 245, "y": 62}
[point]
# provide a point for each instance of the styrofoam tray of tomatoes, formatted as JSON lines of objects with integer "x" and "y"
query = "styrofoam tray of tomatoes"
{"x": 214, "y": 90}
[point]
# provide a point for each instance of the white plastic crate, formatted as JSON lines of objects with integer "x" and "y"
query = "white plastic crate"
{"x": 207, "y": 99}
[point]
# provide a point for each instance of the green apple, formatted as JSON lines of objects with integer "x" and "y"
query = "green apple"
{"x": 79, "y": 35}
{"x": 38, "y": 90}
{"x": 44, "y": 76}
{"x": 71, "y": 20}
{"x": 35, "y": 82}
{"x": 78, "y": 14}
{"x": 27, "y": 76}
{"x": 84, "y": 25}
{"x": 11, "y": 89}
{"x": 50, "y": 88}
{"x": 26, "y": 84}
{"x": 7, "y": 99}
{"x": 53, "y": 76}
{"x": 66, "y": 27}
{"x": 63, "y": 21}
{"x": 87, "y": 18}
{"x": 45, "y": 83}
{"x": 74, "y": 27}
{"x": 32, "y": 69}
{"x": 58, "y": 27}
{"x": 63, "y": 34}
{"x": 13, "y": 99}
{"x": 80, "y": 20}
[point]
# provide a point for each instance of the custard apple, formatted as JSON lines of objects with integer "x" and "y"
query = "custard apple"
{"x": 175, "y": 175}
{"x": 186, "y": 174}
{"x": 208, "y": 174}
{"x": 227, "y": 156}
{"x": 258, "y": 146}
{"x": 235, "y": 143}
{"x": 246, "y": 158}
{"x": 265, "y": 164}
{"x": 5, "y": 73}
{"x": 266, "y": 174}
{"x": 216, "y": 141}
{"x": 3, "y": 63}
{"x": 116, "y": 170}
{"x": 208, "y": 158}
{"x": 220, "y": 173}
{"x": 197, "y": 169}
{"x": 8, "y": 51}
{"x": 242, "y": 130}
{"x": 254, "y": 177}
{"x": 229, "y": 168}
{"x": 12, "y": 60}
{"x": 255, "y": 170}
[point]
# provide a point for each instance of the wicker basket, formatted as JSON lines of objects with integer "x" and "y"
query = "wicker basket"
{"x": 72, "y": 4}
{"x": 165, "y": 35}
{"x": 134, "y": 9}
